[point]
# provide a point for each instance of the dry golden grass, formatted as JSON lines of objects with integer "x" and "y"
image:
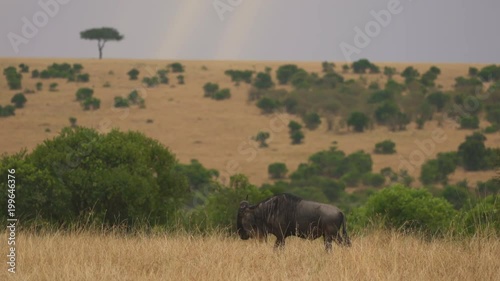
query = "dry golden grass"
{"x": 214, "y": 132}
{"x": 377, "y": 256}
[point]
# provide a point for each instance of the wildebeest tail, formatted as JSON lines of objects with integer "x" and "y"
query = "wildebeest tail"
{"x": 346, "y": 240}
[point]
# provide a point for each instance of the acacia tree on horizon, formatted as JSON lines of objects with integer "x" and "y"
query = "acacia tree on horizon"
{"x": 102, "y": 35}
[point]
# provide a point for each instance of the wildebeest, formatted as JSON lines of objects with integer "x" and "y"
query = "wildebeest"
{"x": 286, "y": 215}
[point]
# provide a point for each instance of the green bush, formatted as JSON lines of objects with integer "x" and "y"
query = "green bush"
{"x": 492, "y": 129}
{"x": 263, "y": 81}
{"x": 84, "y": 77}
{"x": 222, "y": 94}
{"x": 135, "y": 98}
{"x": 262, "y": 138}
{"x": 19, "y": 100}
{"x": 483, "y": 217}
{"x": 176, "y": 67}
{"x": 8, "y": 110}
{"x": 358, "y": 120}
{"x": 439, "y": 100}
{"x": 77, "y": 68}
{"x": 409, "y": 209}
{"x": 410, "y": 74}
{"x": 83, "y": 176}
{"x": 385, "y": 147}
{"x": 23, "y": 68}
{"x": 490, "y": 73}
{"x": 121, "y": 102}
{"x": 240, "y": 75}
{"x": 53, "y": 87}
{"x": 268, "y": 105}
{"x": 210, "y": 89}
{"x": 381, "y": 96}
{"x": 14, "y": 79}
{"x": 277, "y": 170}
{"x": 493, "y": 115}
{"x": 429, "y": 77}
{"x": 294, "y": 126}
{"x": 133, "y": 73}
{"x": 302, "y": 80}
{"x": 162, "y": 75}
{"x": 473, "y": 71}
{"x": 311, "y": 120}
{"x": 458, "y": 196}
{"x": 489, "y": 187}
{"x": 151, "y": 81}
{"x": 91, "y": 103}
{"x": 39, "y": 86}
{"x": 469, "y": 122}
{"x": 297, "y": 137}
{"x": 352, "y": 178}
{"x": 222, "y": 205}
{"x": 437, "y": 170}
{"x": 372, "y": 179}
{"x": 472, "y": 152}
{"x": 72, "y": 121}
{"x": 389, "y": 71}
{"x": 35, "y": 73}
{"x": 327, "y": 66}
{"x": 362, "y": 65}
{"x": 285, "y": 73}
{"x": 291, "y": 105}
{"x": 180, "y": 79}
{"x": 84, "y": 93}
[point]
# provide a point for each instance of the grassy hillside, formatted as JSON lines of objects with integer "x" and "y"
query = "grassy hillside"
{"x": 378, "y": 256}
{"x": 216, "y": 133}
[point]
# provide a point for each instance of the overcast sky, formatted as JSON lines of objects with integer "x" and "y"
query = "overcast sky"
{"x": 418, "y": 30}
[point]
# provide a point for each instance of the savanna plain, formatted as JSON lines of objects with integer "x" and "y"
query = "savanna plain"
{"x": 214, "y": 132}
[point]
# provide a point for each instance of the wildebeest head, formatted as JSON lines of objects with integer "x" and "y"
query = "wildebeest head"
{"x": 245, "y": 221}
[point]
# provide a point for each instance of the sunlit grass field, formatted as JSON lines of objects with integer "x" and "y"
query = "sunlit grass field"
{"x": 381, "y": 255}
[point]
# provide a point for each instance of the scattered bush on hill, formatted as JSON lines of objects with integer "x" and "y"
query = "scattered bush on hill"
{"x": 277, "y": 170}
{"x": 285, "y": 73}
{"x": 14, "y": 79}
{"x": 133, "y": 73}
{"x": 176, "y": 67}
{"x": 210, "y": 89}
{"x": 7, "y": 110}
{"x": 261, "y": 138}
{"x": 18, "y": 100}
{"x": 385, "y": 147}
{"x": 238, "y": 76}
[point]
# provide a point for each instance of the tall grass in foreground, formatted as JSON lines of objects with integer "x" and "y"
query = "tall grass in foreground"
{"x": 379, "y": 255}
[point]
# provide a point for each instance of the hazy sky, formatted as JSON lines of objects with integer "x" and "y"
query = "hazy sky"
{"x": 420, "y": 30}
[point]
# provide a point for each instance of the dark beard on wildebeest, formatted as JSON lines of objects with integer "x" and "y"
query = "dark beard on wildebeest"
{"x": 286, "y": 215}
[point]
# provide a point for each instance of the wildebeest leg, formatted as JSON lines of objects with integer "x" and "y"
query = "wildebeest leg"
{"x": 328, "y": 242}
{"x": 280, "y": 243}
{"x": 346, "y": 240}
{"x": 339, "y": 239}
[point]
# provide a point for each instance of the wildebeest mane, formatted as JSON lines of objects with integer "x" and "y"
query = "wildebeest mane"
{"x": 282, "y": 206}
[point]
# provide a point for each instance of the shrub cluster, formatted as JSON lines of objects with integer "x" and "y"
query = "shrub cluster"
{"x": 133, "y": 98}
{"x": 63, "y": 70}
{"x": 295, "y": 130}
{"x": 114, "y": 179}
{"x": 385, "y": 147}
{"x": 87, "y": 100}
{"x": 211, "y": 90}
{"x": 240, "y": 75}
{"x": 14, "y": 78}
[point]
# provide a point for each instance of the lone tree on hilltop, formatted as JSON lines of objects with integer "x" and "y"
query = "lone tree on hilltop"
{"x": 102, "y": 35}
